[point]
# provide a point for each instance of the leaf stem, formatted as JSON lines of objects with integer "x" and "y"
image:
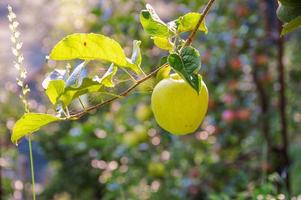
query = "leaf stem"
{"x": 175, "y": 42}
{"x": 144, "y": 74}
{"x": 130, "y": 75}
{"x": 81, "y": 103}
{"x": 67, "y": 112}
{"x": 203, "y": 15}
{"x": 111, "y": 94}
{"x": 32, "y": 168}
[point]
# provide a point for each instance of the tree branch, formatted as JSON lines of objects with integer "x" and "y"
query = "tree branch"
{"x": 263, "y": 97}
{"x": 125, "y": 93}
{"x": 264, "y": 105}
{"x": 203, "y": 15}
{"x": 282, "y": 107}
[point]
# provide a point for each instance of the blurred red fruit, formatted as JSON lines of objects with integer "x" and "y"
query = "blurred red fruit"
{"x": 232, "y": 24}
{"x": 232, "y": 85}
{"x": 242, "y": 11}
{"x": 261, "y": 59}
{"x": 243, "y": 114}
{"x": 193, "y": 190}
{"x": 235, "y": 64}
{"x": 228, "y": 115}
{"x": 233, "y": 42}
{"x": 266, "y": 78}
{"x": 228, "y": 98}
{"x": 211, "y": 103}
{"x": 206, "y": 57}
{"x": 194, "y": 172}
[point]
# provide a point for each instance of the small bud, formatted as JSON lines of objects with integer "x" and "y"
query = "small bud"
{"x": 26, "y": 90}
{"x": 9, "y": 8}
{"x": 20, "y": 59}
{"x": 15, "y": 24}
{"x": 11, "y": 27}
{"x": 9, "y": 18}
{"x": 23, "y": 74}
{"x": 17, "y": 34}
{"x": 19, "y": 45}
{"x": 15, "y": 52}
{"x": 13, "y": 39}
{"x": 17, "y": 66}
{"x": 19, "y": 82}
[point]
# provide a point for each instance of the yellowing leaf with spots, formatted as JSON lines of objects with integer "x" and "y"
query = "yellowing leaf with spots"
{"x": 91, "y": 46}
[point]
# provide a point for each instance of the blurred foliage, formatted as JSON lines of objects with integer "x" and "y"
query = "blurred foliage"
{"x": 120, "y": 153}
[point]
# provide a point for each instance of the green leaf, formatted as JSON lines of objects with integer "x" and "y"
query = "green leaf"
{"x": 71, "y": 92}
{"x": 163, "y": 60}
{"x": 152, "y": 24}
{"x": 136, "y": 53}
{"x": 191, "y": 59}
{"x": 188, "y": 21}
{"x": 163, "y": 43}
{"x": 291, "y": 26}
{"x": 136, "y": 58}
{"x": 90, "y": 46}
{"x": 77, "y": 75}
{"x": 56, "y": 74}
{"x": 87, "y": 85}
{"x": 54, "y": 90}
{"x": 187, "y": 64}
{"x": 107, "y": 78}
{"x": 29, "y": 123}
{"x": 163, "y": 73}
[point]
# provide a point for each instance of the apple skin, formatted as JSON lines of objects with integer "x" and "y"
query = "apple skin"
{"x": 177, "y": 107}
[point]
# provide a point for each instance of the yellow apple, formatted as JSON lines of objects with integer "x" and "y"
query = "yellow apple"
{"x": 143, "y": 112}
{"x": 177, "y": 107}
{"x": 136, "y": 136}
{"x": 156, "y": 169}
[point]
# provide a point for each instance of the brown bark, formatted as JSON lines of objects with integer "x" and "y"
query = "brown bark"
{"x": 282, "y": 107}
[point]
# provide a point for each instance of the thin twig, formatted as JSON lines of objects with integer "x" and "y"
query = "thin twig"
{"x": 130, "y": 75}
{"x": 111, "y": 94}
{"x": 203, "y": 15}
{"x": 81, "y": 103}
{"x": 123, "y": 94}
{"x": 67, "y": 112}
{"x": 32, "y": 168}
